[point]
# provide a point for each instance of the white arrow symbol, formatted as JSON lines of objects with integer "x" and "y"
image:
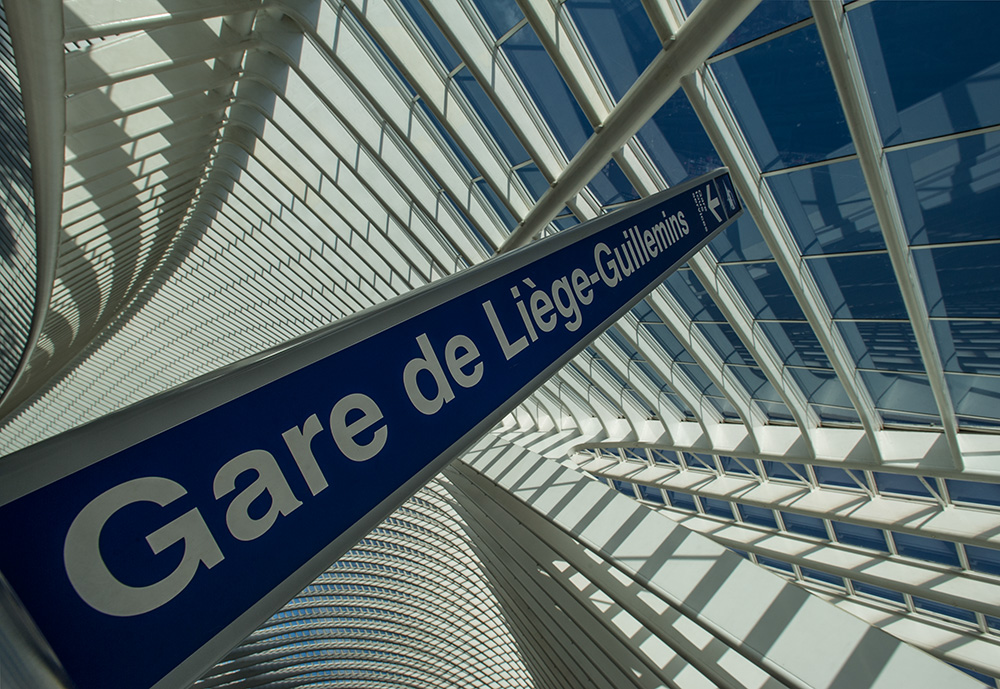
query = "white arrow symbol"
{"x": 713, "y": 203}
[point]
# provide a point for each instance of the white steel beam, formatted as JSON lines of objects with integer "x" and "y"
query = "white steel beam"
{"x": 842, "y": 56}
{"x": 704, "y": 30}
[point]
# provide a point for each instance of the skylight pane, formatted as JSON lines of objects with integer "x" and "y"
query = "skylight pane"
{"x": 796, "y": 344}
{"x": 619, "y": 36}
{"x": 433, "y": 34}
{"x": 650, "y": 494}
{"x": 900, "y": 484}
{"x": 500, "y": 15}
{"x": 677, "y": 143}
{"x": 758, "y": 515}
{"x": 494, "y": 121}
{"x": 969, "y": 346}
{"x": 983, "y": 559}
{"x": 693, "y": 297}
{"x": 923, "y": 548}
{"x": 949, "y": 191}
{"x": 741, "y": 241}
{"x": 828, "y": 208}
{"x": 960, "y": 281}
{"x": 803, "y": 524}
{"x": 768, "y": 17}
{"x": 914, "y": 97}
{"x": 974, "y": 395}
{"x": 787, "y": 471}
{"x": 882, "y": 345}
{"x": 902, "y": 393}
{"x": 783, "y": 96}
{"x": 861, "y": 536}
{"x": 611, "y": 186}
{"x": 859, "y": 286}
{"x": 550, "y": 93}
{"x": 765, "y": 291}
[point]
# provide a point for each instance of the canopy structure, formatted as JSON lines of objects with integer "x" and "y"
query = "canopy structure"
{"x": 187, "y": 183}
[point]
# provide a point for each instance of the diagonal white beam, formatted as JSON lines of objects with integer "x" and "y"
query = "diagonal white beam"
{"x": 842, "y": 55}
{"x": 704, "y": 30}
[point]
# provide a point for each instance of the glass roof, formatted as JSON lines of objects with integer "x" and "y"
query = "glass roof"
{"x": 235, "y": 180}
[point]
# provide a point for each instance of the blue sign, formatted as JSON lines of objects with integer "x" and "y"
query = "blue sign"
{"x": 143, "y": 559}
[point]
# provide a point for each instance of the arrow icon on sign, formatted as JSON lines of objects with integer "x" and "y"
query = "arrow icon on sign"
{"x": 713, "y": 203}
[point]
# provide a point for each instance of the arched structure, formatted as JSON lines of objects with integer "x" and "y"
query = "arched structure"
{"x": 190, "y": 182}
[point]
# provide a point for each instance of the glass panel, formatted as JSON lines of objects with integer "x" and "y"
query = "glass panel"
{"x": 499, "y": 206}
{"x": 677, "y": 143}
{"x": 802, "y": 524}
{"x": 693, "y": 297}
{"x": 775, "y": 564}
{"x": 741, "y": 241}
{"x": 944, "y": 609}
{"x": 783, "y": 95}
{"x": 826, "y": 578}
{"x": 650, "y": 494}
{"x": 975, "y": 395}
{"x": 682, "y": 500}
{"x": 960, "y": 281}
{"x": 669, "y": 342}
{"x": 433, "y": 34}
{"x": 718, "y": 508}
{"x": 789, "y": 472}
{"x": 796, "y": 344}
{"x": 821, "y": 387}
{"x": 915, "y": 97}
{"x": 973, "y": 492}
{"x": 464, "y": 159}
{"x": 724, "y": 407}
{"x": 828, "y": 208}
{"x": 887, "y": 346}
{"x": 878, "y": 591}
{"x": 910, "y": 393}
{"x": 833, "y": 476}
{"x": 727, "y": 343}
{"x": 620, "y": 37}
{"x": 776, "y": 411}
{"x": 969, "y": 346}
{"x": 765, "y": 291}
{"x": 665, "y": 457}
{"x": 534, "y": 180}
{"x": 547, "y": 88}
{"x": 900, "y": 484}
{"x": 949, "y": 191}
{"x": 623, "y": 487}
{"x": 500, "y": 15}
{"x": 758, "y": 515}
{"x": 858, "y": 287}
{"x": 494, "y": 121}
{"x": 610, "y": 185}
{"x": 701, "y": 379}
{"x": 923, "y": 548}
{"x": 983, "y": 559}
{"x": 837, "y": 415}
{"x": 861, "y": 536}
{"x": 756, "y": 383}
{"x": 744, "y": 467}
{"x": 768, "y": 17}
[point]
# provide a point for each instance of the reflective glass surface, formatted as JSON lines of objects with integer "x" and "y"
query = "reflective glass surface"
{"x": 765, "y": 291}
{"x": 741, "y": 241}
{"x": 960, "y": 281}
{"x": 862, "y": 286}
{"x": 882, "y": 345}
{"x": 783, "y": 95}
{"x": 915, "y": 95}
{"x": 769, "y": 16}
{"x": 620, "y": 37}
{"x": 923, "y": 548}
{"x": 676, "y": 141}
{"x": 548, "y": 89}
{"x": 949, "y": 191}
{"x": 828, "y": 208}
